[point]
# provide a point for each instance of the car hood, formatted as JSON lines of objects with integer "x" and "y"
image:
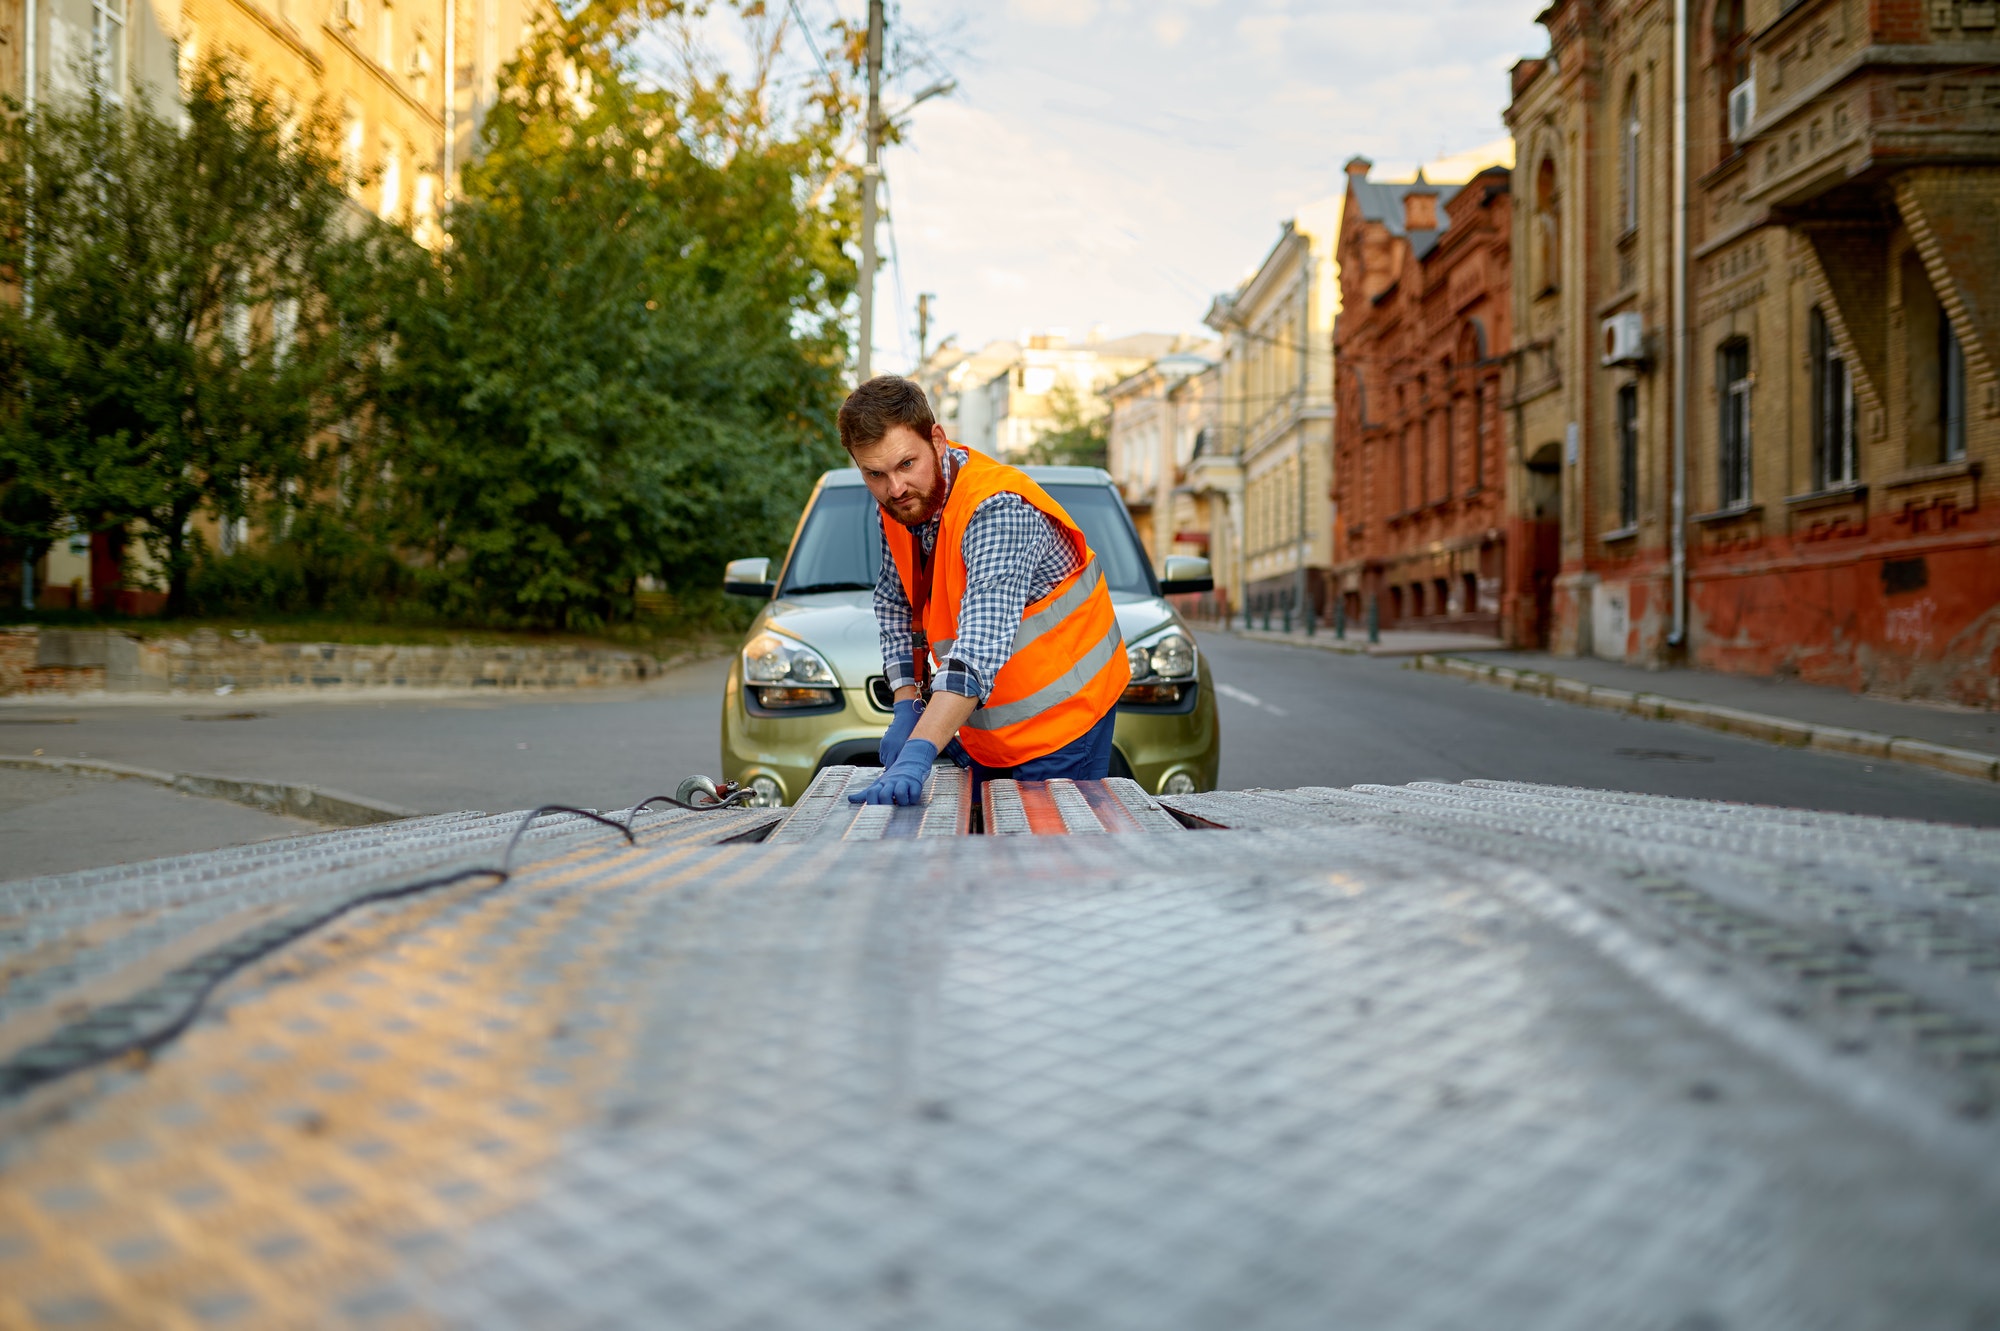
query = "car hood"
{"x": 841, "y": 627}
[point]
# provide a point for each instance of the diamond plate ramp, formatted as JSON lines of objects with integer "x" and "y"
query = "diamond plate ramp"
{"x": 1071, "y": 808}
{"x": 824, "y": 813}
{"x": 1370, "y": 1063}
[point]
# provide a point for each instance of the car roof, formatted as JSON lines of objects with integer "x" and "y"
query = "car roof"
{"x": 1039, "y": 475}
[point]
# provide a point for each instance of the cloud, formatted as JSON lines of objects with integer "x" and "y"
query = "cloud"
{"x": 1120, "y": 171}
{"x": 1056, "y": 13}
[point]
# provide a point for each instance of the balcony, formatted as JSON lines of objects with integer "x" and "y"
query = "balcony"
{"x": 1835, "y": 107}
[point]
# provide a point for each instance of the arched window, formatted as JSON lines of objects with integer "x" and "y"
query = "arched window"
{"x": 1732, "y": 66}
{"x": 1548, "y": 228}
{"x": 1628, "y": 160}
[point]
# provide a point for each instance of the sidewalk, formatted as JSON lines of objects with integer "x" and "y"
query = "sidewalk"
{"x": 1809, "y": 704}
{"x": 1960, "y": 741}
{"x": 1394, "y": 642}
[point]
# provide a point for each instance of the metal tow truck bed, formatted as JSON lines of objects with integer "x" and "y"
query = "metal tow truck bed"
{"x": 1432, "y": 1056}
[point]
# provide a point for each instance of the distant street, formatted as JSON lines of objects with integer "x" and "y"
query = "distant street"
{"x": 1290, "y": 717}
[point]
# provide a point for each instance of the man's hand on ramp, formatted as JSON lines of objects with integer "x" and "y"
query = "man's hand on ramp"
{"x": 903, "y": 781}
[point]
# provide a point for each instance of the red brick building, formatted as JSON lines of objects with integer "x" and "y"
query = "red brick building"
{"x": 1774, "y": 456}
{"x": 1422, "y": 525}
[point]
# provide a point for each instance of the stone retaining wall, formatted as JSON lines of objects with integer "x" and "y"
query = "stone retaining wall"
{"x": 43, "y": 661}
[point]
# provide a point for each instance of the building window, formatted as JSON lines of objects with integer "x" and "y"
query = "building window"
{"x": 392, "y": 182}
{"x": 1479, "y": 436}
{"x": 107, "y": 46}
{"x": 1733, "y": 385}
{"x": 1628, "y": 456}
{"x": 1951, "y": 391}
{"x": 1732, "y": 67}
{"x": 1628, "y": 161}
{"x": 1833, "y": 409}
{"x": 385, "y": 38}
{"x": 1548, "y": 228}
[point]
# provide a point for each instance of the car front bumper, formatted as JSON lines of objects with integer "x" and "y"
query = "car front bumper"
{"x": 1156, "y": 747}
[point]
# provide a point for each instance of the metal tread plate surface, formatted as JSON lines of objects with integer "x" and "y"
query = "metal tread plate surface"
{"x": 1426, "y": 1057}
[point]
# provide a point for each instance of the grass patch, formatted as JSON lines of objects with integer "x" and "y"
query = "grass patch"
{"x": 663, "y": 638}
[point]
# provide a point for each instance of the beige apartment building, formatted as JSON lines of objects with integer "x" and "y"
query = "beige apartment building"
{"x": 1162, "y": 418}
{"x": 406, "y": 81}
{"x": 1277, "y": 409}
{"x": 1004, "y": 397}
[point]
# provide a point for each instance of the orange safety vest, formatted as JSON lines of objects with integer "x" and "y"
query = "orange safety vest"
{"x": 1068, "y": 663}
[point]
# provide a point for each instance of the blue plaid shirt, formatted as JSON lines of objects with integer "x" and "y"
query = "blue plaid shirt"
{"x": 1014, "y": 556}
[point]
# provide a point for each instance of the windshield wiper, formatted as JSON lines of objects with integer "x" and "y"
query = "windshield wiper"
{"x": 812, "y": 587}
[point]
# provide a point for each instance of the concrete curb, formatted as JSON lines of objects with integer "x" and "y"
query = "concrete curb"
{"x": 332, "y": 807}
{"x": 1326, "y": 642}
{"x": 1730, "y": 720}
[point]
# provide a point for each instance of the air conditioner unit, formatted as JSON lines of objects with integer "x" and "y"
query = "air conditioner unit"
{"x": 1625, "y": 339}
{"x": 1742, "y": 109}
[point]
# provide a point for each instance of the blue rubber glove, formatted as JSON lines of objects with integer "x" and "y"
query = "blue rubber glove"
{"x": 903, "y": 783}
{"x": 907, "y": 712}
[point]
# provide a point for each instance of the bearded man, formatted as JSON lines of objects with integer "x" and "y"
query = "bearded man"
{"x": 997, "y": 629}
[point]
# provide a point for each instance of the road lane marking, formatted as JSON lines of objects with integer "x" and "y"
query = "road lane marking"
{"x": 1241, "y": 696}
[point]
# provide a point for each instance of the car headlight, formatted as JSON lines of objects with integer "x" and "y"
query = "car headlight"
{"x": 783, "y": 673}
{"x": 1163, "y": 666}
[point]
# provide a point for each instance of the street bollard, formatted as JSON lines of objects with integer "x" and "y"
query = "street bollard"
{"x": 1267, "y": 612}
{"x": 1309, "y": 617}
{"x": 1374, "y": 621}
{"x": 1340, "y": 618}
{"x": 1288, "y": 616}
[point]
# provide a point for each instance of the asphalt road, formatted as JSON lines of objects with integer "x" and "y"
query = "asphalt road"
{"x": 1290, "y": 717}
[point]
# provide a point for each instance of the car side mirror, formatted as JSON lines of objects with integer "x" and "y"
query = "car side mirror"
{"x": 1186, "y": 574}
{"x": 749, "y": 577}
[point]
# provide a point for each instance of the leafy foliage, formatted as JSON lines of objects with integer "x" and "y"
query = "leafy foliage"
{"x": 1076, "y": 437}
{"x": 618, "y": 367}
{"x": 173, "y": 350}
{"x": 626, "y": 360}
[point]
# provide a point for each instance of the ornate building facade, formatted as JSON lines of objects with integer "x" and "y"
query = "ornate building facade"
{"x": 1424, "y": 536}
{"x": 1769, "y": 408}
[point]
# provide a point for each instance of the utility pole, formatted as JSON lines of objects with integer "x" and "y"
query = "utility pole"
{"x": 871, "y": 175}
{"x": 1300, "y": 590}
{"x": 924, "y": 299}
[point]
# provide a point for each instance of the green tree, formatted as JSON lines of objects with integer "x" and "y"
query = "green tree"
{"x": 173, "y": 349}
{"x": 626, "y": 358}
{"x": 1075, "y": 437}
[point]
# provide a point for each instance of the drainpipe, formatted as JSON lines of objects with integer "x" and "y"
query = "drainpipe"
{"x": 1299, "y": 588}
{"x": 28, "y": 76}
{"x": 450, "y": 92}
{"x": 1682, "y": 329}
{"x": 28, "y": 265}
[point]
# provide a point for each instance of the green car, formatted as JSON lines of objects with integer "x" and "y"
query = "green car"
{"x": 807, "y": 690}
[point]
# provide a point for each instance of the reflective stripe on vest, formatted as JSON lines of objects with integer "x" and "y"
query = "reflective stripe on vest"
{"x": 1068, "y": 685}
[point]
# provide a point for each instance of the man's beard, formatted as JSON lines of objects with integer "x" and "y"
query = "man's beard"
{"x": 920, "y": 506}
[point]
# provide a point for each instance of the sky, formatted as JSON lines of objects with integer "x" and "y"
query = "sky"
{"x": 1116, "y": 163}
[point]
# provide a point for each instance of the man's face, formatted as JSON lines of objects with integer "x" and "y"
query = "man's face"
{"x": 905, "y": 473}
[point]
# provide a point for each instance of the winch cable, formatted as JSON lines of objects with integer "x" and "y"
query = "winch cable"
{"x": 158, "y": 1014}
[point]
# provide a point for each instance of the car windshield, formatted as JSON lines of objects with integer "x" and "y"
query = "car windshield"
{"x": 840, "y": 546}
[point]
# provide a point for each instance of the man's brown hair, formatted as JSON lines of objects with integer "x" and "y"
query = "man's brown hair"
{"x": 879, "y": 406}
